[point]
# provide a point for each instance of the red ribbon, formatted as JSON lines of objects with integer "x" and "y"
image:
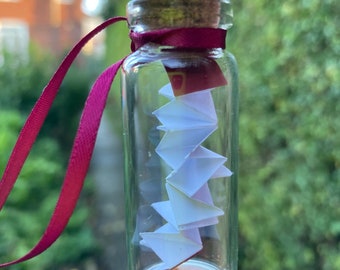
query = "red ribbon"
{"x": 89, "y": 123}
{"x": 186, "y": 38}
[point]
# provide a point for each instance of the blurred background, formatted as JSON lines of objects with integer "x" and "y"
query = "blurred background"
{"x": 288, "y": 54}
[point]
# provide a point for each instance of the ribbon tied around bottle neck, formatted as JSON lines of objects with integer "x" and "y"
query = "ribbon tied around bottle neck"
{"x": 184, "y": 38}
{"x": 82, "y": 149}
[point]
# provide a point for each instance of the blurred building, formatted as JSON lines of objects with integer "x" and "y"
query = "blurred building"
{"x": 54, "y": 25}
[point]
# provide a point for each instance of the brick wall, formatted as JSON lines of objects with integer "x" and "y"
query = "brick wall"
{"x": 53, "y": 25}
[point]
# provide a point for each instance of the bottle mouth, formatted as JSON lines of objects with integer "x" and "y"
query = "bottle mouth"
{"x": 146, "y": 15}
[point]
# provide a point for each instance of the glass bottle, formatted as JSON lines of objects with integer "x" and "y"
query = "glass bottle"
{"x": 180, "y": 126}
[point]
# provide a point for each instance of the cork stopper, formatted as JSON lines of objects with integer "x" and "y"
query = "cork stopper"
{"x": 145, "y": 15}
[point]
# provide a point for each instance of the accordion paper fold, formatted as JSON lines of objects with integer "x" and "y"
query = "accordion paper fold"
{"x": 191, "y": 210}
{"x": 172, "y": 246}
{"x": 201, "y": 165}
{"x": 187, "y": 121}
{"x": 184, "y": 115}
{"x": 175, "y": 146}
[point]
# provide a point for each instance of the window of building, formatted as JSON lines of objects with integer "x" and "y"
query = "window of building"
{"x": 14, "y": 39}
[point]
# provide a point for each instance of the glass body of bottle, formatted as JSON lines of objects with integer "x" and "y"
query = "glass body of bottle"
{"x": 180, "y": 125}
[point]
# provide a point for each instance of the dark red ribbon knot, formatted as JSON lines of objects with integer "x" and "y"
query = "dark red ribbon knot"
{"x": 89, "y": 123}
{"x": 188, "y": 38}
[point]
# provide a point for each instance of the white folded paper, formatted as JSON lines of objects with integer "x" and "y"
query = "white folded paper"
{"x": 201, "y": 166}
{"x": 187, "y": 121}
{"x": 171, "y": 245}
{"x": 176, "y": 146}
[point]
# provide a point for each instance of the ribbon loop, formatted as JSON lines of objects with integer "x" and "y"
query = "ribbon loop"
{"x": 82, "y": 147}
{"x": 191, "y": 38}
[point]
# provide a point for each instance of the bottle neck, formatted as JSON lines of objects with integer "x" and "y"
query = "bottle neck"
{"x": 148, "y": 15}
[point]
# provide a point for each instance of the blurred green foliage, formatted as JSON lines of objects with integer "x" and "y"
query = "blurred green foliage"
{"x": 289, "y": 64}
{"x": 30, "y": 205}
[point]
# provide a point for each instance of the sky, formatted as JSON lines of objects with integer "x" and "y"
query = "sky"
{"x": 91, "y": 7}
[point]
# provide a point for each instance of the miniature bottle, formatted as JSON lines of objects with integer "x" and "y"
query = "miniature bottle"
{"x": 180, "y": 125}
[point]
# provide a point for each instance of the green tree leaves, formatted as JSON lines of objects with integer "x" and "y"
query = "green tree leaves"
{"x": 288, "y": 54}
{"x": 30, "y": 205}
